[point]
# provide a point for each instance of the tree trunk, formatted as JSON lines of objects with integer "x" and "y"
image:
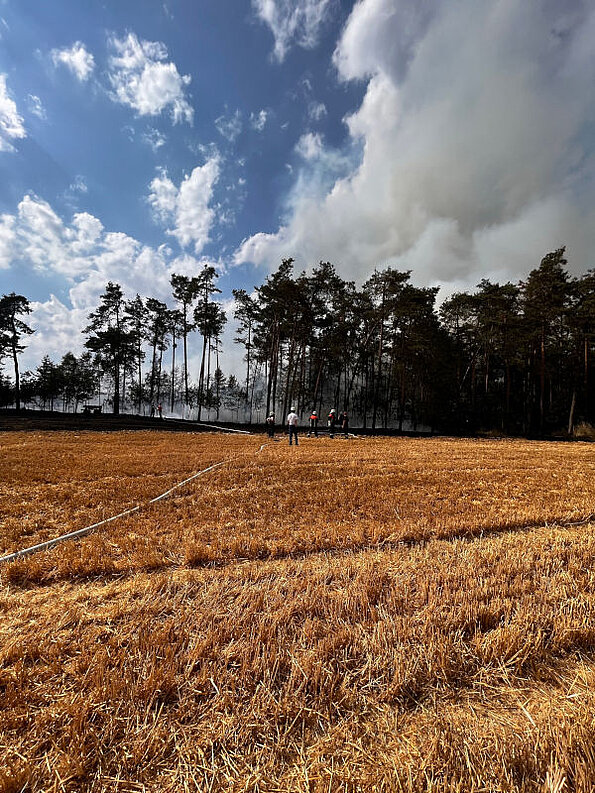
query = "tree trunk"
{"x": 378, "y": 370}
{"x": 317, "y": 384}
{"x": 185, "y": 333}
{"x": 571, "y": 414}
{"x": 117, "y": 389}
{"x": 542, "y": 382}
{"x": 173, "y": 372}
{"x": 586, "y": 377}
{"x": 17, "y": 378}
{"x": 201, "y": 377}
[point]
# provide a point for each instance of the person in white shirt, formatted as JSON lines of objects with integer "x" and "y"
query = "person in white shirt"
{"x": 292, "y": 422}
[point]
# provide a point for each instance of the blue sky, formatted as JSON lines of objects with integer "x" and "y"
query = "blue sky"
{"x": 142, "y": 138}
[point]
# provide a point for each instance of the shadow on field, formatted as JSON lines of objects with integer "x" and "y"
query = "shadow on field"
{"x": 40, "y": 571}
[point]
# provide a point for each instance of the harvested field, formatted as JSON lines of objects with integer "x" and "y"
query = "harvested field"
{"x": 378, "y": 614}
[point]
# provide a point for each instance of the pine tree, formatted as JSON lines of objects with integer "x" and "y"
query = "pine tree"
{"x": 12, "y": 330}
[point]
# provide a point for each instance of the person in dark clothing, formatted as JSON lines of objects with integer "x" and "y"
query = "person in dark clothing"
{"x": 270, "y": 422}
{"x": 332, "y": 421}
{"x": 345, "y": 424}
{"x": 313, "y": 425}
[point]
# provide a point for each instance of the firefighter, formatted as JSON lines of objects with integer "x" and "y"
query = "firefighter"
{"x": 332, "y": 420}
{"x": 292, "y": 423}
{"x": 345, "y": 424}
{"x": 270, "y": 422}
{"x": 313, "y": 425}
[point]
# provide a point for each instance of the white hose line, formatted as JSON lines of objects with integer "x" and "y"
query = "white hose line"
{"x": 224, "y": 429}
{"x": 202, "y": 424}
{"x": 44, "y": 546}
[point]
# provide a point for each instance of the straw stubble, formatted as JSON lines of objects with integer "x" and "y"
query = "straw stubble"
{"x": 379, "y": 614}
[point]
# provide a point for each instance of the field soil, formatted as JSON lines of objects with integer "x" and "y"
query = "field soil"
{"x": 378, "y": 614}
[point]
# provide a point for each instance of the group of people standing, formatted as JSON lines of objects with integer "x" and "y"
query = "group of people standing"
{"x": 333, "y": 422}
{"x": 159, "y": 410}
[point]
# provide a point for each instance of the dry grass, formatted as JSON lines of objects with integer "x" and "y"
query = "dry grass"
{"x": 398, "y": 615}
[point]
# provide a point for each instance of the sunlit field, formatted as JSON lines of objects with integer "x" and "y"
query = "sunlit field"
{"x": 367, "y": 614}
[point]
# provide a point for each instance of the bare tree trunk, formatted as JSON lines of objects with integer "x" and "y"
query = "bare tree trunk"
{"x": 17, "y": 378}
{"x": 290, "y": 370}
{"x": 159, "y": 371}
{"x": 378, "y": 371}
{"x": 317, "y": 384}
{"x": 185, "y": 332}
{"x": 173, "y": 373}
{"x": 218, "y": 395}
{"x": 542, "y": 382}
{"x": 201, "y": 377}
{"x": 586, "y": 376}
{"x": 571, "y": 415}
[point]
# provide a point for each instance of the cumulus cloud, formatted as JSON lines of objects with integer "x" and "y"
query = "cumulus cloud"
{"x": 475, "y": 130}
{"x": 292, "y": 22}
{"x": 86, "y": 255}
{"x": 187, "y": 206}
{"x": 143, "y": 79}
{"x": 58, "y": 329}
{"x": 7, "y": 238}
{"x": 383, "y": 36}
{"x": 11, "y": 123}
{"x": 77, "y": 59}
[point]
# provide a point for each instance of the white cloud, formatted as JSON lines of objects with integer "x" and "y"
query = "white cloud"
{"x": 11, "y": 123}
{"x": 153, "y": 138}
{"x": 79, "y": 185}
{"x": 382, "y": 36}
{"x": 230, "y": 126}
{"x": 316, "y": 111}
{"x": 475, "y": 129}
{"x": 143, "y": 79}
{"x": 187, "y": 206}
{"x": 7, "y": 238}
{"x": 58, "y": 330}
{"x": 163, "y": 197}
{"x": 36, "y": 107}
{"x": 310, "y": 145}
{"x": 77, "y": 188}
{"x": 292, "y": 22}
{"x": 258, "y": 120}
{"x": 85, "y": 233}
{"x": 40, "y": 234}
{"x": 77, "y": 59}
{"x": 86, "y": 256}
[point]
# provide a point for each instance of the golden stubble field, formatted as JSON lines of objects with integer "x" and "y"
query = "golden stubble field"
{"x": 363, "y": 615}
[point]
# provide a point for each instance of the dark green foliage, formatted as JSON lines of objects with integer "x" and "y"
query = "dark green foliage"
{"x": 12, "y": 331}
{"x": 113, "y": 339}
{"x": 511, "y": 358}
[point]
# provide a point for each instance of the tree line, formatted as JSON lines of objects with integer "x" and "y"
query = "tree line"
{"x": 513, "y": 357}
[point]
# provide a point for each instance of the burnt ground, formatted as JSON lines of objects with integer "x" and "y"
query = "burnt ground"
{"x": 37, "y": 420}
{"x": 42, "y": 420}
